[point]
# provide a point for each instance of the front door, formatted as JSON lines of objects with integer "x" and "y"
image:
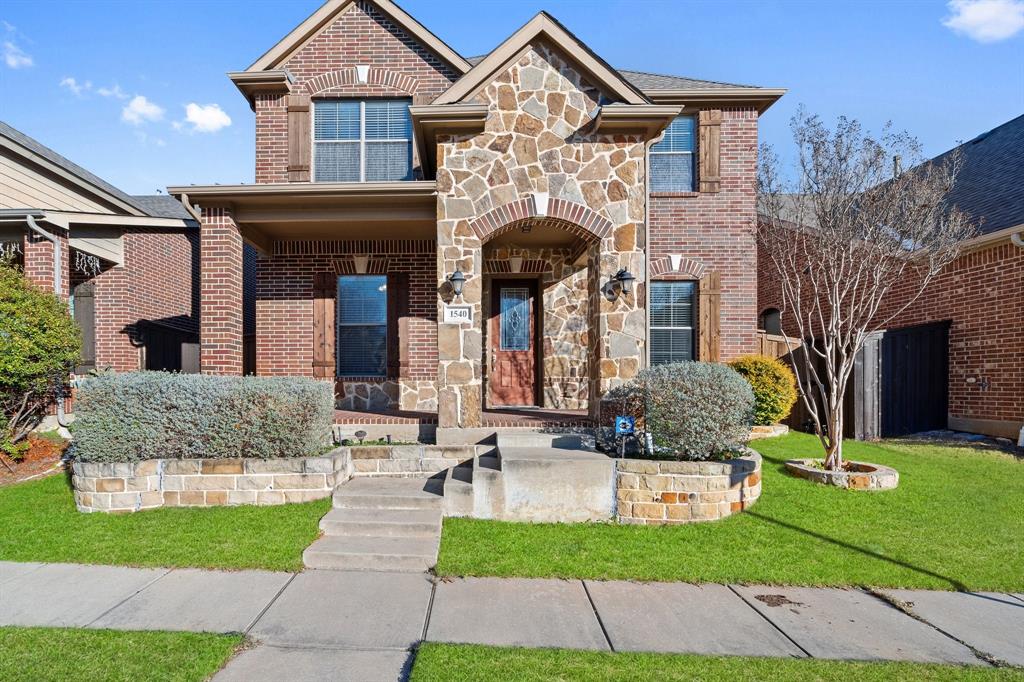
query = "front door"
{"x": 513, "y": 330}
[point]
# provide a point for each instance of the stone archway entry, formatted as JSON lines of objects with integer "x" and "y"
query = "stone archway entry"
{"x": 512, "y": 343}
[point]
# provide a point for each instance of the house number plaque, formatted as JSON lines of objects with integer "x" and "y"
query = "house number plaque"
{"x": 456, "y": 314}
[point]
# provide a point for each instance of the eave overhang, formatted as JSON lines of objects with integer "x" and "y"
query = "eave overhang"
{"x": 759, "y": 98}
{"x": 644, "y": 119}
{"x": 252, "y": 83}
{"x": 430, "y": 120}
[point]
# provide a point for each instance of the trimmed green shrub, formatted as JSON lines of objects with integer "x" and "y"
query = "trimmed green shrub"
{"x": 162, "y": 415}
{"x": 774, "y": 387}
{"x": 692, "y": 410}
{"x": 39, "y": 345}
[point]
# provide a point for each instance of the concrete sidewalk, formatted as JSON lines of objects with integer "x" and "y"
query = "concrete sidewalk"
{"x": 362, "y": 625}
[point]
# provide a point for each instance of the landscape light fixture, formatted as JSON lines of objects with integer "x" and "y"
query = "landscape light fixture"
{"x": 625, "y": 280}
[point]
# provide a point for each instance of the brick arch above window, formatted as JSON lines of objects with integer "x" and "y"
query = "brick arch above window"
{"x": 687, "y": 267}
{"x": 341, "y": 78}
{"x": 566, "y": 215}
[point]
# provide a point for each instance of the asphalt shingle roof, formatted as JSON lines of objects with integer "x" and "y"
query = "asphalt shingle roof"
{"x": 162, "y": 206}
{"x": 643, "y": 81}
{"x": 990, "y": 186}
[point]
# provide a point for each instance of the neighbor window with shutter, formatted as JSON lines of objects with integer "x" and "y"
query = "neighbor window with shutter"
{"x": 362, "y": 140}
{"x": 672, "y": 164}
{"x": 672, "y": 316}
{"x": 362, "y": 322}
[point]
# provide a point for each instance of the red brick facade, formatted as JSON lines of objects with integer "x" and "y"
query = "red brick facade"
{"x": 718, "y": 232}
{"x": 221, "y": 311}
{"x": 982, "y": 295}
{"x": 156, "y": 283}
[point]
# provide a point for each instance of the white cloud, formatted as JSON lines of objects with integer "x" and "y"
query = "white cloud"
{"x": 148, "y": 139}
{"x": 139, "y": 110}
{"x": 205, "y": 118}
{"x": 74, "y": 86}
{"x": 986, "y": 21}
{"x": 113, "y": 91}
{"x": 15, "y": 57}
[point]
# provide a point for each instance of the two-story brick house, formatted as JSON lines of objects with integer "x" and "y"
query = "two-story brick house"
{"x": 450, "y": 237}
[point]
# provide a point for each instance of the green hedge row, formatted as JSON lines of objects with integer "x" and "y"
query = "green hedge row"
{"x": 162, "y": 415}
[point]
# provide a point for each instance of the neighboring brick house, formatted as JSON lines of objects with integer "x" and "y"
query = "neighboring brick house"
{"x": 391, "y": 172}
{"x": 980, "y": 295}
{"x": 128, "y": 266}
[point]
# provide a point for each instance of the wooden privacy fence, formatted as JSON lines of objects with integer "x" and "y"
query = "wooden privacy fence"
{"x": 775, "y": 345}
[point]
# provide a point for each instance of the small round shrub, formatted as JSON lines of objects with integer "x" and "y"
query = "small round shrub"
{"x": 693, "y": 410}
{"x": 774, "y": 387}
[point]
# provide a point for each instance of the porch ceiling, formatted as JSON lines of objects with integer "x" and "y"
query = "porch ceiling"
{"x": 265, "y": 213}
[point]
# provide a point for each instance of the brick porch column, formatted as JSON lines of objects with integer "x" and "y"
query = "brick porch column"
{"x": 39, "y": 259}
{"x": 220, "y": 306}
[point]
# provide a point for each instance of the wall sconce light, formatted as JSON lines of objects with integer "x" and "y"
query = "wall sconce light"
{"x": 457, "y": 279}
{"x": 625, "y": 280}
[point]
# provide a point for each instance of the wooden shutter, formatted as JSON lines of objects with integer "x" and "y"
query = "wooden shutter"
{"x": 85, "y": 316}
{"x": 708, "y": 326}
{"x": 298, "y": 138}
{"x": 325, "y": 290}
{"x": 708, "y": 144}
{"x": 398, "y": 324}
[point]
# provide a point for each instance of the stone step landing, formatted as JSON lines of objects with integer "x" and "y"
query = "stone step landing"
{"x": 380, "y": 524}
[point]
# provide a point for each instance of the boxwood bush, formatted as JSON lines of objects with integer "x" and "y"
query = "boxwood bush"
{"x": 163, "y": 415}
{"x": 693, "y": 410}
{"x": 774, "y": 387}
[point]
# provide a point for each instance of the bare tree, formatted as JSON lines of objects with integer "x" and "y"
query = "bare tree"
{"x": 847, "y": 228}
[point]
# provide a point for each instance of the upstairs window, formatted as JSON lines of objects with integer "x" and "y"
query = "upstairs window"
{"x": 672, "y": 162}
{"x": 362, "y": 140}
{"x": 362, "y": 319}
{"x": 672, "y": 312}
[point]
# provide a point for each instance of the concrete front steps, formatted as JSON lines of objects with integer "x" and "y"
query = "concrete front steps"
{"x": 380, "y": 524}
{"x": 534, "y": 477}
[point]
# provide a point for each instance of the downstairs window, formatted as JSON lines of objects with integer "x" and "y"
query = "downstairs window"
{"x": 362, "y": 325}
{"x": 672, "y": 311}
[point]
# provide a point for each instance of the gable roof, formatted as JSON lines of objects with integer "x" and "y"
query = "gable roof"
{"x": 989, "y": 185}
{"x": 162, "y": 206}
{"x": 318, "y": 20}
{"x": 78, "y": 175}
{"x": 543, "y": 25}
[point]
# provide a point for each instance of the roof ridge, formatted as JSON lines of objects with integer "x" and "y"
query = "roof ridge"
{"x": 689, "y": 78}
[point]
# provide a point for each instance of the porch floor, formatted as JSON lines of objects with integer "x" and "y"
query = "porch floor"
{"x": 501, "y": 417}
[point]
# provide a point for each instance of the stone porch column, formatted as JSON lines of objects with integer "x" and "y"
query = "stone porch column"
{"x": 459, "y": 346}
{"x": 220, "y": 306}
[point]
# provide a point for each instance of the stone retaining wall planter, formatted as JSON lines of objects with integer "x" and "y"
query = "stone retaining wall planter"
{"x": 659, "y": 492}
{"x": 858, "y": 476}
{"x": 134, "y": 486}
{"x": 770, "y": 431}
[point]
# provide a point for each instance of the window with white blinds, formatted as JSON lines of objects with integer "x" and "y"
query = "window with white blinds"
{"x": 362, "y": 140}
{"x": 672, "y": 321}
{"x": 672, "y": 163}
{"x": 362, "y": 320}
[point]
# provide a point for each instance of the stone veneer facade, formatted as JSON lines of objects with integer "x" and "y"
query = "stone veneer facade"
{"x": 533, "y": 164}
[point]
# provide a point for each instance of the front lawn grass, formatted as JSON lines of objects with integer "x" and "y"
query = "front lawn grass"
{"x": 40, "y": 523}
{"x": 955, "y": 522}
{"x": 99, "y": 655}
{"x": 465, "y": 663}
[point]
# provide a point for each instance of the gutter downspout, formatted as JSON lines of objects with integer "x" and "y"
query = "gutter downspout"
{"x": 58, "y": 288}
{"x": 1018, "y": 239}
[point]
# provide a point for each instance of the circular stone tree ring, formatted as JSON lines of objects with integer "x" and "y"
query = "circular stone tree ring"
{"x": 855, "y": 475}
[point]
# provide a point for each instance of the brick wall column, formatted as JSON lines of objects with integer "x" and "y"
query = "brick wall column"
{"x": 220, "y": 307}
{"x": 39, "y": 260}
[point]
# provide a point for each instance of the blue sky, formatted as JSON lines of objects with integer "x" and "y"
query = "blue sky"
{"x": 137, "y": 65}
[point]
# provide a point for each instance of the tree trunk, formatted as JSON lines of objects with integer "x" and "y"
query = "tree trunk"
{"x": 834, "y": 454}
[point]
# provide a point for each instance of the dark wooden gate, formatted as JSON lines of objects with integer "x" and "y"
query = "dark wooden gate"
{"x": 914, "y": 379}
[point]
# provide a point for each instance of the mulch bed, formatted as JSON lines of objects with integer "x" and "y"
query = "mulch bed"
{"x": 43, "y": 457}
